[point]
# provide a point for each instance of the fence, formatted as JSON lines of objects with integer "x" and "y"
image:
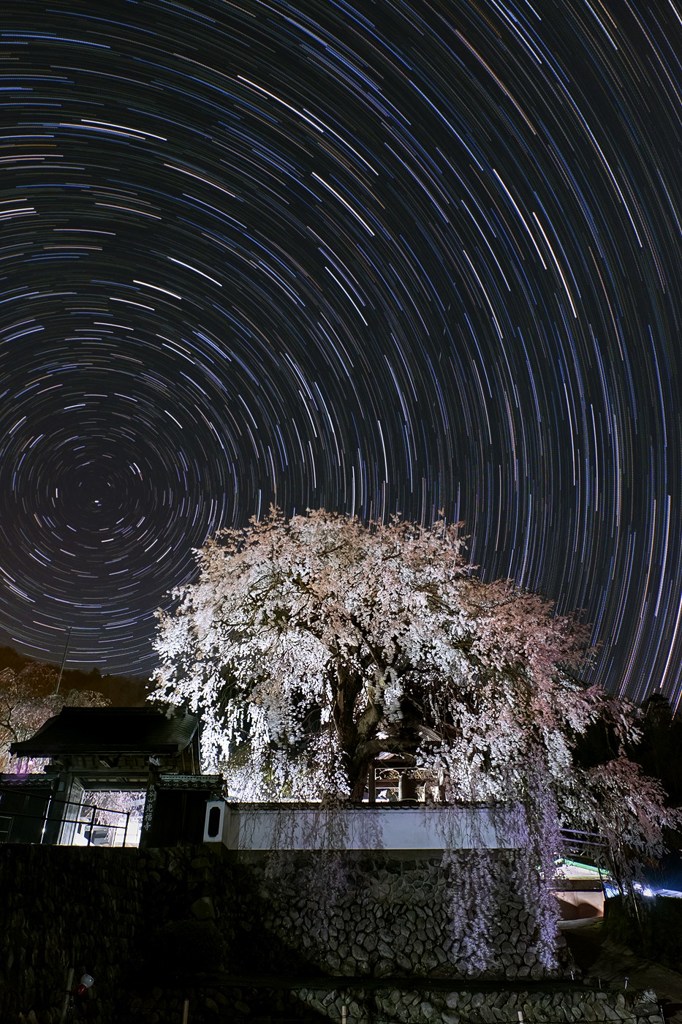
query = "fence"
{"x": 78, "y": 828}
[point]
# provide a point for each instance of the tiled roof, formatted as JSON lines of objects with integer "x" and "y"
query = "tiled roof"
{"x": 108, "y": 731}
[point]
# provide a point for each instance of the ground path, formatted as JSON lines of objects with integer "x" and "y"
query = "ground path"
{"x": 601, "y": 958}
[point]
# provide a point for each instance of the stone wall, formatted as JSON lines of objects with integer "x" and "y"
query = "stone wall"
{"x": 392, "y": 1003}
{"x": 62, "y": 907}
{"x": 156, "y": 927}
{"x": 383, "y": 916}
{"x": 130, "y": 918}
{"x": 496, "y": 1006}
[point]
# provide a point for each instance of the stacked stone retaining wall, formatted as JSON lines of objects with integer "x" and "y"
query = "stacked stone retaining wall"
{"x": 158, "y": 927}
{"x": 496, "y": 1006}
{"x": 130, "y": 918}
{"x": 383, "y": 916}
{"x": 392, "y": 1003}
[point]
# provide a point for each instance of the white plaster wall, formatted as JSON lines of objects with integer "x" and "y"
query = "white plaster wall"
{"x": 254, "y": 828}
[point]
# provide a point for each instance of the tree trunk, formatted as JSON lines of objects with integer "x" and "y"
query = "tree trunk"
{"x": 357, "y": 777}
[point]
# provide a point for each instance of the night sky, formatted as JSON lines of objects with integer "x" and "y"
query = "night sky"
{"x": 373, "y": 256}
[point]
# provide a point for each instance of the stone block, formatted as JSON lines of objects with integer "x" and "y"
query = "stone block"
{"x": 203, "y": 909}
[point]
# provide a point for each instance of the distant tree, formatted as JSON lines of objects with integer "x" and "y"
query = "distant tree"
{"x": 660, "y": 752}
{"x": 28, "y": 699}
{"x": 122, "y": 691}
{"x": 111, "y": 808}
{"x": 37, "y": 679}
{"x": 9, "y": 658}
{"x": 311, "y": 646}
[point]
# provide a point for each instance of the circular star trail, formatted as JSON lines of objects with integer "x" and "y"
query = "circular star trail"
{"x": 373, "y": 256}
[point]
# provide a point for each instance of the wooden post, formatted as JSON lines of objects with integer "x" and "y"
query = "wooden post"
{"x": 185, "y": 1011}
{"x": 67, "y": 994}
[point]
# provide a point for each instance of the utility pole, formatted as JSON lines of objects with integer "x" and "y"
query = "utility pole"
{"x": 66, "y": 651}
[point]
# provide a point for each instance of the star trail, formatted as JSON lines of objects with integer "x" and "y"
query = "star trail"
{"x": 374, "y": 256}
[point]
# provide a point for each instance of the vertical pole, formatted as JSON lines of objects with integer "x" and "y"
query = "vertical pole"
{"x": 185, "y": 1011}
{"x": 344, "y": 1014}
{"x": 66, "y": 651}
{"x": 46, "y": 815}
{"x": 67, "y": 994}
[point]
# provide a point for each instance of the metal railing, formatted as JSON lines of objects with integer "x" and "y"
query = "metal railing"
{"x": 86, "y": 826}
{"x": 588, "y": 845}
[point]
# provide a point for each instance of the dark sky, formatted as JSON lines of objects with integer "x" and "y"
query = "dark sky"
{"x": 371, "y": 256}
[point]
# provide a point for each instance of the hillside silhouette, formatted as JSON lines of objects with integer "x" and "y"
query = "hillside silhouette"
{"x": 121, "y": 691}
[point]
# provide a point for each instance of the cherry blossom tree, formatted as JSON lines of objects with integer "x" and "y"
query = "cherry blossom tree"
{"x": 311, "y": 646}
{"x": 301, "y": 641}
{"x": 28, "y": 699}
{"x": 314, "y": 645}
